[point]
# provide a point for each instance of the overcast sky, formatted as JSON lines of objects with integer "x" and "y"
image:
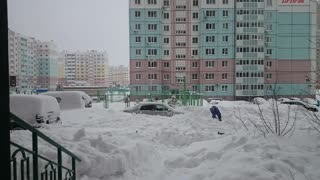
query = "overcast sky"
{"x": 75, "y": 24}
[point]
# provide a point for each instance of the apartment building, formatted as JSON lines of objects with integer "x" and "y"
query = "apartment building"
{"x": 32, "y": 63}
{"x": 119, "y": 75}
{"x": 86, "y": 68}
{"x": 231, "y": 49}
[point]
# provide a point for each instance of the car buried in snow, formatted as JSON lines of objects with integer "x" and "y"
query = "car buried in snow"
{"x": 300, "y": 103}
{"x": 152, "y": 108}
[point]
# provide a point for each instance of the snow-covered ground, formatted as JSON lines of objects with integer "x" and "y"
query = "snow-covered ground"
{"x": 118, "y": 146}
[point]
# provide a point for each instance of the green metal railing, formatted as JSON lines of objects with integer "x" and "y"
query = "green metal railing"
{"x": 51, "y": 171}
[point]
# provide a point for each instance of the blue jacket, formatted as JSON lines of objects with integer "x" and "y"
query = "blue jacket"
{"x": 215, "y": 112}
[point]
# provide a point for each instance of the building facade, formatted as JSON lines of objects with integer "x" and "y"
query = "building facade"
{"x": 119, "y": 75}
{"x": 86, "y": 68}
{"x": 32, "y": 63}
{"x": 231, "y": 49}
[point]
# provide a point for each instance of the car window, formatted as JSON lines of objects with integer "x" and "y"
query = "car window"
{"x": 161, "y": 108}
{"x": 147, "y": 107}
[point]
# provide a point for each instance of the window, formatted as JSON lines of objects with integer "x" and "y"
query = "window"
{"x": 194, "y": 88}
{"x": 152, "y": 13}
{"x": 137, "y": 26}
{"x": 138, "y": 52}
{"x": 209, "y": 76}
{"x": 269, "y": 51}
{"x": 152, "y": 26}
{"x": 269, "y": 27}
{"x": 152, "y": 76}
{"x": 166, "y": 3}
{"x": 224, "y": 76}
{"x": 137, "y": 14}
{"x": 165, "y": 15}
{"x": 166, "y": 52}
{"x": 210, "y": 39}
{"x": 210, "y": 13}
{"x": 152, "y": 64}
{"x": 194, "y": 52}
{"x": 225, "y": 13}
{"x": 225, "y": 25}
{"x": 224, "y": 88}
{"x": 166, "y": 28}
{"x": 269, "y": 76}
{"x": 195, "y": 28}
{"x": 152, "y": 1}
{"x": 268, "y": 39}
{"x": 269, "y": 2}
{"x": 195, "y": 3}
{"x": 137, "y": 2}
{"x": 225, "y": 2}
{"x": 195, "y": 15}
{"x": 225, "y": 38}
{"x": 224, "y": 51}
{"x": 152, "y": 88}
{"x": 194, "y": 64}
{"x": 209, "y": 88}
{"x": 211, "y": 1}
{"x": 209, "y": 51}
{"x": 138, "y": 64}
{"x": 166, "y": 40}
{"x": 138, "y": 76}
{"x": 209, "y": 63}
{"x": 194, "y": 76}
{"x": 138, "y": 39}
{"x": 152, "y": 39}
{"x": 165, "y": 76}
{"x": 210, "y": 26}
{"x": 224, "y": 63}
{"x": 152, "y": 51}
{"x": 269, "y": 63}
{"x": 195, "y": 40}
{"x": 166, "y": 64}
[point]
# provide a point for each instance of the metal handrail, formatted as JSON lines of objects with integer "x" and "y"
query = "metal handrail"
{"x": 25, "y": 164}
{"x": 40, "y": 134}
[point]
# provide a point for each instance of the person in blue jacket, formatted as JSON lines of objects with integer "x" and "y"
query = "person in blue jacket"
{"x": 215, "y": 112}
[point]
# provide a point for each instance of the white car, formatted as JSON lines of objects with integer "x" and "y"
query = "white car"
{"x": 35, "y": 109}
{"x": 152, "y": 108}
{"x": 68, "y": 99}
{"x": 300, "y": 103}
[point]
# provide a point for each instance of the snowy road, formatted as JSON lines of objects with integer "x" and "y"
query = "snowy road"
{"x": 118, "y": 146}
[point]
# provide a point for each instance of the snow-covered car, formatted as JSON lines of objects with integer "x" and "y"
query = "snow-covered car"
{"x": 87, "y": 99}
{"x": 295, "y": 99}
{"x": 309, "y": 101}
{"x": 35, "y": 109}
{"x": 152, "y": 108}
{"x": 214, "y": 100}
{"x": 68, "y": 99}
{"x": 300, "y": 103}
{"x": 258, "y": 100}
{"x": 283, "y": 99}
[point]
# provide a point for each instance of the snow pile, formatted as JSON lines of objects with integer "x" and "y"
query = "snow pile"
{"x": 68, "y": 99}
{"x": 115, "y": 145}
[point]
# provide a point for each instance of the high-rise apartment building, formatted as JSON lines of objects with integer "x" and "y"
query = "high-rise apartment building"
{"x": 119, "y": 75}
{"x": 235, "y": 49}
{"x": 86, "y": 68}
{"x": 47, "y": 53}
{"x": 32, "y": 63}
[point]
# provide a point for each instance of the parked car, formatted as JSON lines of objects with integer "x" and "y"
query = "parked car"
{"x": 87, "y": 99}
{"x": 68, "y": 99}
{"x": 214, "y": 100}
{"x": 300, "y": 103}
{"x": 258, "y": 100}
{"x": 283, "y": 99}
{"x": 35, "y": 109}
{"x": 152, "y": 108}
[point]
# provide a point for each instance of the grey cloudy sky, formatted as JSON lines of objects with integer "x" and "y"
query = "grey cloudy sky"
{"x": 75, "y": 24}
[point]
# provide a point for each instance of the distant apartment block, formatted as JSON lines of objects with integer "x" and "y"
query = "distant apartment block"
{"x": 85, "y": 68}
{"x": 233, "y": 49}
{"x": 119, "y": 75}
{"x": 32, "y": 63}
